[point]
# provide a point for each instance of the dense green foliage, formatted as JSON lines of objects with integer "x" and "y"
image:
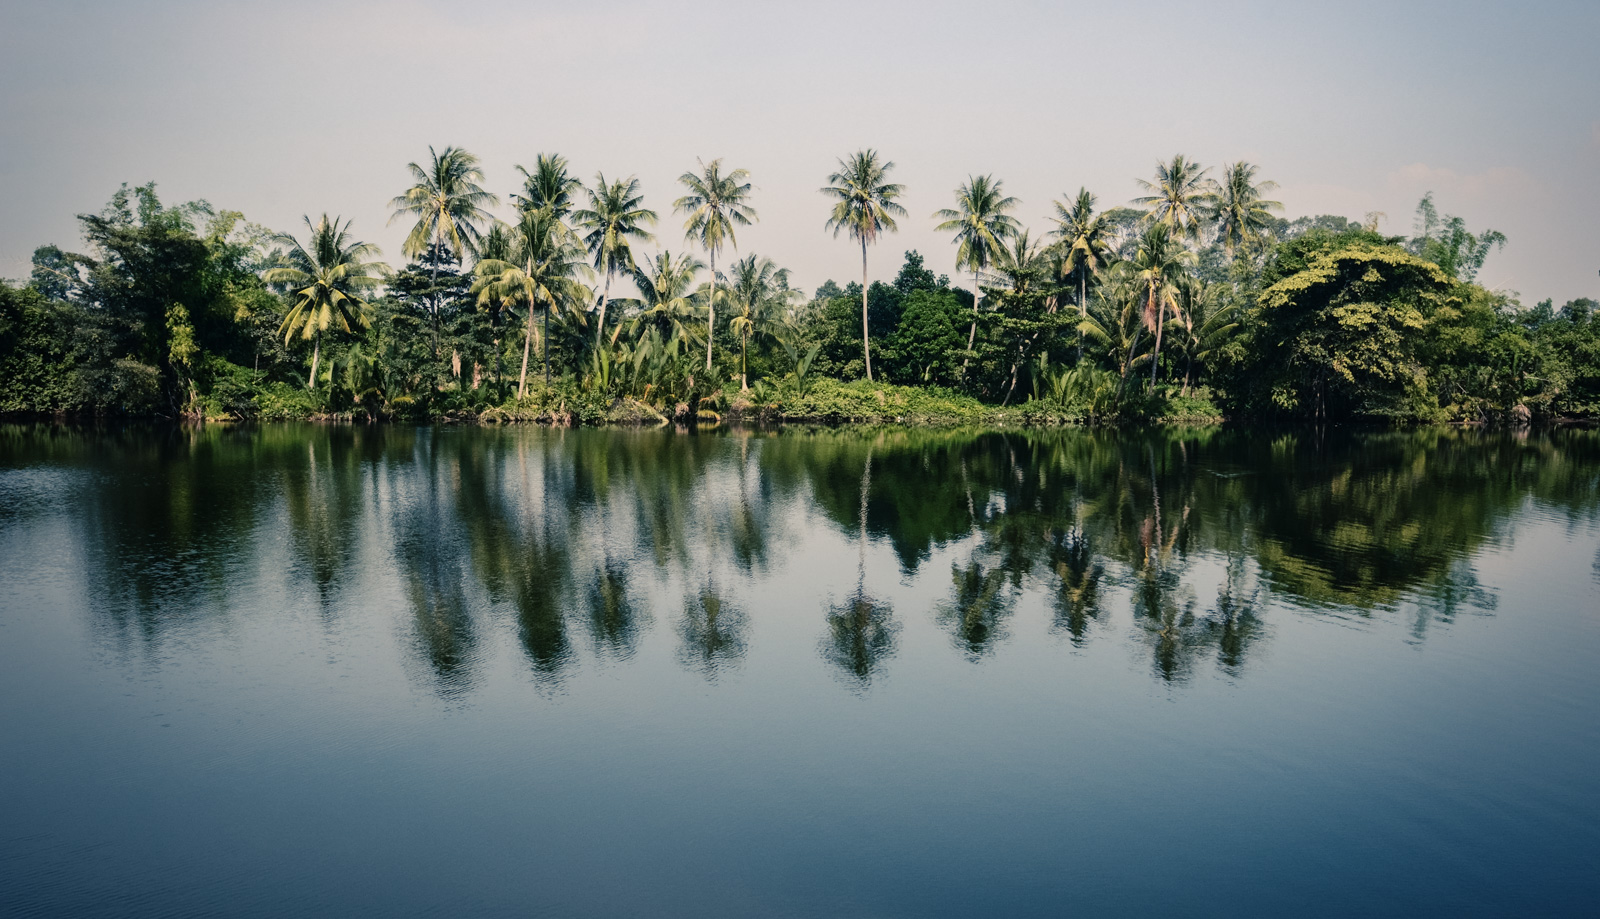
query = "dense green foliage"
{"x": 1197, "y": 305}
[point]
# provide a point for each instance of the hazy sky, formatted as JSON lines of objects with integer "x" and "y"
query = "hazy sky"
{"x": 280, "y": 109}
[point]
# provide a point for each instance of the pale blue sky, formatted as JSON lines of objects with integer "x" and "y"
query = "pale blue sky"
{"x": 283, "y": 109}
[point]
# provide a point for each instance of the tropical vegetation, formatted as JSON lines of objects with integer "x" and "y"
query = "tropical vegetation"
{"x": 1196, "y": 301}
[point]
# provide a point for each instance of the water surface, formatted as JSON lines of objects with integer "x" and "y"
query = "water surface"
{"x": 394, "y": 671}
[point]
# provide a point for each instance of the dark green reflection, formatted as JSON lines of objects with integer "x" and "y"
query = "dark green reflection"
{"x": 561, "y": 543}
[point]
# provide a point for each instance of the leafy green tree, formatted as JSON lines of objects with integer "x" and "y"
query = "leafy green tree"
{"x": 981, "y": 226}
{"x": 914, "y": 275}
{"x": 865, "y": 207}
{"x": 329, "y": 277}
{"x": 925, "y": 342}
{"x": 1237, "y": 208}
{"x": 716, "y": 204}
{"x": 1339, "y": 325}
{"x": 614, "y": 219}
{"x": 1180, "y": 197}
{"x": 547, "y": 262}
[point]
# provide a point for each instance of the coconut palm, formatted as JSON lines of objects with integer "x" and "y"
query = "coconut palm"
{"x": 447, "y": 202}
{"x": 864, "y": 206}
{"x": 496, "y": 245}
{"x": 1017, "y": 264}
{"x": 1238, "y": 210}
{"x": 1180, "y": 197}
{"x": 716, "y": 204}
{"x": 981, "y": 225}
{"x": 1114, "y": 318}
{"x": 614, "y": 219}
{"x": 1162, "y": 263}
{"x": 1085, "y": 237}
{"x": 1205, "y": 323}
{"x": 328, "y": 276}
{"x": 758, "y": 290}
{"x": 544, "y": 271}
{"x": 547, "y": 187}
{"x": 666, "y": 291}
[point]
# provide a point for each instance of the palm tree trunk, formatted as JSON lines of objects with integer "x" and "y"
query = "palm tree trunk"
{"x": 433, "y": 284}
{"x": 605, "y": 300}
{"x": 711, "y": 313}
{"x": 316, "y": 354}
{"x": 527, "y": 345}
{"x": 1083, "y": 305}
{"x": 866, "y": 348}
{"x": 972, "y": 333}
{"x": 744, "y": 345}
{"x": 544, "y": 343}
{"x": 1161, "y": 320}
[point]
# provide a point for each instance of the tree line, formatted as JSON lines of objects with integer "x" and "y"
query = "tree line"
{"x": 1196, "y": 298}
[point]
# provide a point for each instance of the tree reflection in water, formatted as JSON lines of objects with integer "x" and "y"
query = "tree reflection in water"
{"x": 861, "y": 630}
{"x": 535, "y": 533}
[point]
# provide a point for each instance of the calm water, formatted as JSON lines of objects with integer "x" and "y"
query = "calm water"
{"x": 609, "y": 673}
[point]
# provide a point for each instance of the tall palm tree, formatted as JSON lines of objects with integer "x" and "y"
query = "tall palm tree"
{"x": 543, "y": 271}
{"x": 548, "y": 187}
{"x": 614, "y": 219}
{"x": 448, "y": 204}
{"x": 715, "y": 204}
{"x": 981, "y": 225}
{"x": 496, "y": 245}
{"x": 1162, "y": 263}
{"x": 864, "y": 206}
{"x": 758, "y": 290}
{"x": 1180, "y": 196}
{"x": 1086, "y": 238}
{"x": 666, "y": 285}
{"x": 1238, "y": 209}
{"x": 328, "y": 276}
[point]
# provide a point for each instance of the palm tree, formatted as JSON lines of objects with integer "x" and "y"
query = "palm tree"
{"x": 1162, "y": 263}
{"x": 1238, "y": 209}
{"x": 328, "y": 276}
{"x": 666, "y": 287}
{"x": 546, "y": 260}
{"x": 1086, "y": 237}
{"x": 1180, "y": 196}
{"x": 547, "y": 187}
{"x": 1114, "y": 318}
{"x": 864, "y": 206}
{"x": 757, "y": 289}
{"x": 614, "y": 219}
{"x": 1206, "y": 323}
{"x": 1017, "y": 263}
{"x": 448, "y": 204}
{"x": 981, "y": 224}
{"x": 496, "y": 245}
{"x": 715, "y": 204}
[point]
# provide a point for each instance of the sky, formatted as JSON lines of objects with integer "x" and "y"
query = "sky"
{"x": 289, "y": 108}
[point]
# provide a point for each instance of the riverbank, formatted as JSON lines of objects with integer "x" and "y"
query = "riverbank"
{"x": 821, "y": 401}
